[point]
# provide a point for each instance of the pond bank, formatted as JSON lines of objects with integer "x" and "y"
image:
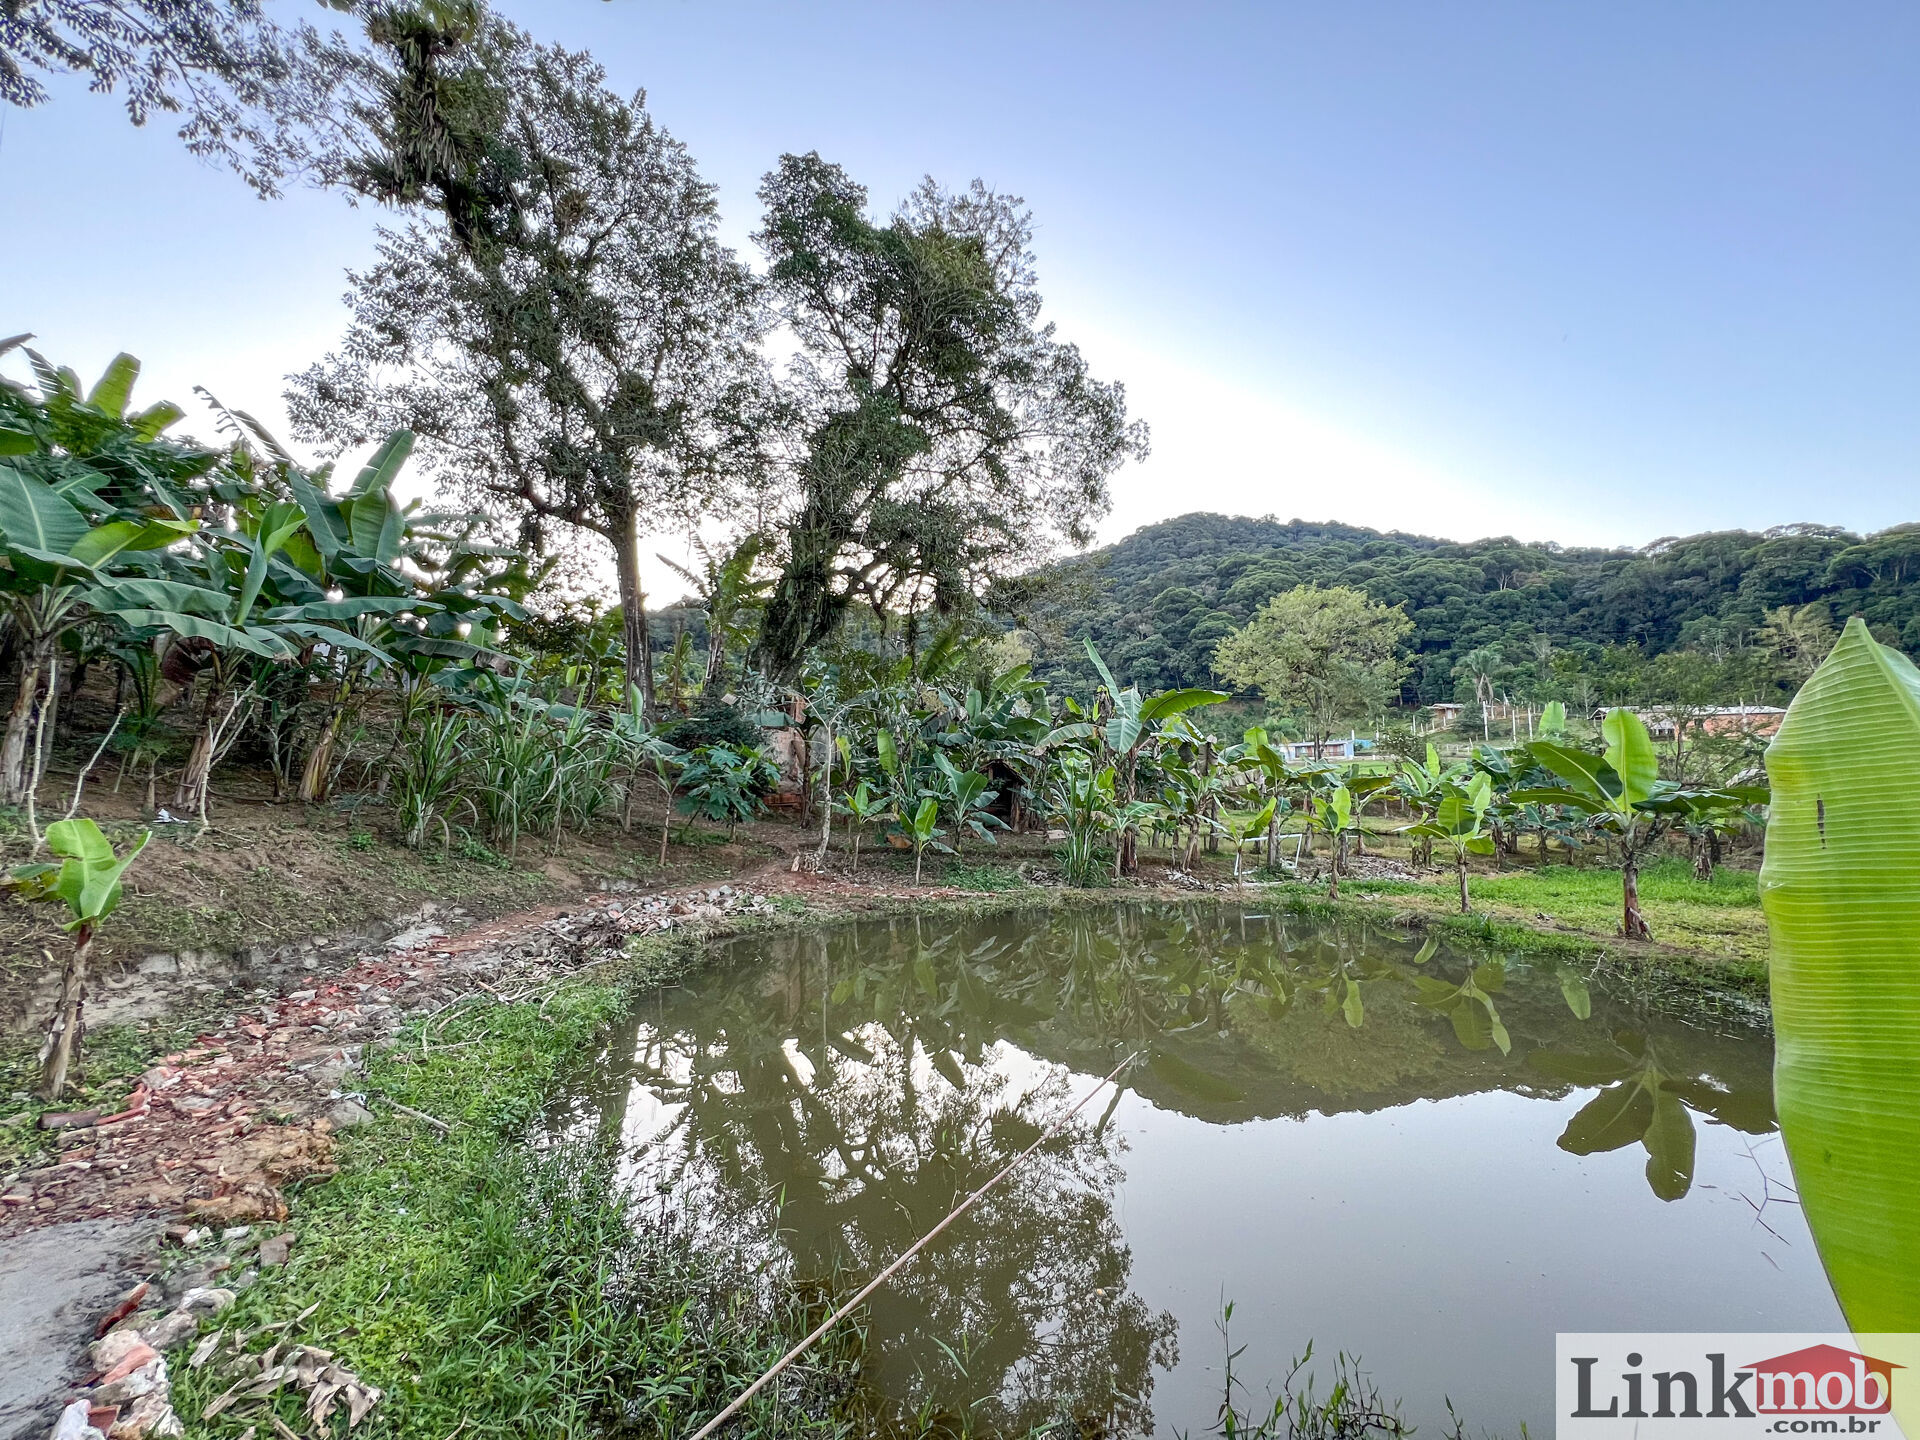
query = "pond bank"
{"x": 470, "y": 1032}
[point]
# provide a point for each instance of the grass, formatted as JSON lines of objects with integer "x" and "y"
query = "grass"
{"x": 988, "y": 879}
{"x": 1563, "y": 909}
{"x": 501, "y": 1287}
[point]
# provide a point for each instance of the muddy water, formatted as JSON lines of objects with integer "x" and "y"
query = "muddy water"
{"x": 1428, "y": 1159}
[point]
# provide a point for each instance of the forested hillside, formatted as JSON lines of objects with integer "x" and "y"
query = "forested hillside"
{"x": 1703, "y": 612}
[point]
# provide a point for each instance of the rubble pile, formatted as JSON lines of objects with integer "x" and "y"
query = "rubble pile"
{"x": 217, "y": 1130}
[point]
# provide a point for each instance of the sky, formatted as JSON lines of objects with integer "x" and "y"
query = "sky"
{"x": 1593, "y": 275}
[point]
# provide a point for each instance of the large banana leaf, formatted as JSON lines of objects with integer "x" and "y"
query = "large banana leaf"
{"x": 35, "y": 519}
{"x": 1841, "y": 889}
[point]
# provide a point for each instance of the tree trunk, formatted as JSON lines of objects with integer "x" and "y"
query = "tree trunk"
{"x": 1702, "y": 861}
{"x": 313, "y": 775}
{"x": 17, "y": 756}
{"x": 1633, "y": 924}
{"x": 1333, "y": 865}
{"x": 63, "y": 1033}
{"x": 633, "y": 619}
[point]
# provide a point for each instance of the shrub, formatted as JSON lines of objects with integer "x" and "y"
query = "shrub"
{"x": 713, "y": 722}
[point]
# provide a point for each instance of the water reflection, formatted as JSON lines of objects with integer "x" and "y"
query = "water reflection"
{"x": 833, "y": 1095}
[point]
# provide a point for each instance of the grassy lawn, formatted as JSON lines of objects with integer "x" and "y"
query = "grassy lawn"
{"x": 1719, "y": 919}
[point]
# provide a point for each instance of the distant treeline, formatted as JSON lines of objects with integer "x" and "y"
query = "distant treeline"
{"x": 1540, "y": 620}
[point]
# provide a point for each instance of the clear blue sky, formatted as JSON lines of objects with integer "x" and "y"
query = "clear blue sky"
{"x": 1587, "y": 274}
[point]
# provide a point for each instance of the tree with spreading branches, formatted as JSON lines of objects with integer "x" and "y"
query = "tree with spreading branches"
{"x": 557, "y": 320}
{"x": 941, "y": 435}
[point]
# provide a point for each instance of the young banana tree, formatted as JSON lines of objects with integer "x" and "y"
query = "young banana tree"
{"x": 1622, "y": 796}
{"x": 967, "y": 798}
{"x": 1245, "y": 828}
{"x": 87, "y": 882}
{"x": 1135, "y": 721}
{"x": 1423, "y": 786}
{"x": 647, "y": 752}
{"x": 1458, "y": 820}
{"x": 862, "y": 806}
{"x": 921, "y": 826}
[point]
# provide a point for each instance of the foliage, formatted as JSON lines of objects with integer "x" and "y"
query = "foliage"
{"x": 921, "y": 826}
{"x": 1331, "y": 653}
{"x": 713, "y": 722}
{"x": 719, "y": 783}
{"x": 1838, "y": 887}
{"x": 966, "y": 797}
{"x": 88, "y": 878}
{"x": 249, "y": 93}
{"x": 1456, "y": 810}
{"x": 1581, "y": 625}
{"x": 862, "y": 806}
{"x": 1082, "y": 799}
{"x": 87, "y": 881}
{"x": 943, "y": 435}
{"x": 558, "y": 321}
{"x": 1622, "y": 796}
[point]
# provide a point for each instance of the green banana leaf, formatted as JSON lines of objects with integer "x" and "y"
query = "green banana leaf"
{"x": 1841, "y": 891}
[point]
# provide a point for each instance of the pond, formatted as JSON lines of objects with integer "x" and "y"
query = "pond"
{"x": 1429, "y": 1159}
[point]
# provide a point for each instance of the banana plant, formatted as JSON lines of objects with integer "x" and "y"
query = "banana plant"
{"x": 1622, "y": 796}
{"x": 1245, "y": 828}
{"x": 88, "y": 882}
{"x": 1839, "y": 889}
{"x": 1458, "y": 819}
{"x": 862, "y": 806}
{"x": 921, "y": 826}
{"x": 1423, "y": 786}
{"x": 1333, "y": 817}
{"x": 61, "y": 569}
{"x": 646, "y": 750}
{"x": 967, "y": 798}
{"x": 90, "y": 493}
{"x": 1135, "y": 721}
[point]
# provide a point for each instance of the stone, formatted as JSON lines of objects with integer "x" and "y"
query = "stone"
{"x": 174, "y": 1328}
{"x": 207, "y": 1299}
{"x": 143, "y": 1380}
{"x": 347, "y": 1112}
{"x": 107, "y": 1353}
{"x": 275, "y": 1251}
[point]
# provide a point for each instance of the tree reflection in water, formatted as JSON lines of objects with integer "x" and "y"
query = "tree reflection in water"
{"x": 831, "y": 1096}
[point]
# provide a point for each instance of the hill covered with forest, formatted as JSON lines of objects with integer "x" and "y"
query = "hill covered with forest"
{"x": 1717, "y": 612}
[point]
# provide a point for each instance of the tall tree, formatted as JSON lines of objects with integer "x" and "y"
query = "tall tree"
{"x": 944, "y": 435}
{"x": 1331, "y": 653}
{"x": 558, "y": 322}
